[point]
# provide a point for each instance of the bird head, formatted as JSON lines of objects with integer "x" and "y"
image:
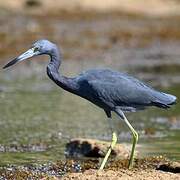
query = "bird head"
{"x": 38, "y": 48}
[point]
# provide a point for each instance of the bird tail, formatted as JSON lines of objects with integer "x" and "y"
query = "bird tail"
{"x": 164, "y": 100}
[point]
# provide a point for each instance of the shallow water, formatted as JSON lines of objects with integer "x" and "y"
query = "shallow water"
{"x": 38, "y": 118}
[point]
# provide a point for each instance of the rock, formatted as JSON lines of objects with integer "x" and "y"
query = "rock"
{"x": 173, "y": 167}
{"x": 94, "y": 148}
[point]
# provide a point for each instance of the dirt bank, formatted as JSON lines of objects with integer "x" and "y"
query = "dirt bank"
{"x": 153, "y": 7}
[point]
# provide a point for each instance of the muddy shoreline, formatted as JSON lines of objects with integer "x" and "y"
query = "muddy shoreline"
{"x": 147, "y": 168}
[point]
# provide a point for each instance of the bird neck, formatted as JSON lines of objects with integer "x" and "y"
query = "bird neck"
{"x": 66, "y": 83}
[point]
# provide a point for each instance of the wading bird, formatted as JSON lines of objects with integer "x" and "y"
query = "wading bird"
{"x": 110, "y": 90}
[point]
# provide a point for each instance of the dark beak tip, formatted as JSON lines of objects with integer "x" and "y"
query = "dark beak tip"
{"x": 4, "y": 67}
{"x": 11, "y": 63}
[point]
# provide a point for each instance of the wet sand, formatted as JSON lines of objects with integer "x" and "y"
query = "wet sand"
{"x": 136, "y": 174}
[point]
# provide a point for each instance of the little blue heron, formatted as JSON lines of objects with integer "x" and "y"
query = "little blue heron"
{"x": 110, "y": 90}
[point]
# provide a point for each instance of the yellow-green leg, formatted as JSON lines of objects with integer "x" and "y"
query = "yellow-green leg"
{"x": 113, "y": 143}
{"x": 135, "y": 137}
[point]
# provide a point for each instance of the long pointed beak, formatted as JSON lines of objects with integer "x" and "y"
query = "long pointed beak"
{"x": 28, "y": 54}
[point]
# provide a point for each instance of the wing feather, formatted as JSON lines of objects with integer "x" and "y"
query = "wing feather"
{"x": 123, "y": 93}
{"x": 112, "y": 88}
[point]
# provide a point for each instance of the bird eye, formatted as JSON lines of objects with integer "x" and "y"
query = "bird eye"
{"x": 36, "y": 49}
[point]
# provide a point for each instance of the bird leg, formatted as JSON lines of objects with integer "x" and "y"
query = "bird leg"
{"x": 113, "y": 143}
{"x": 135, "y": 137}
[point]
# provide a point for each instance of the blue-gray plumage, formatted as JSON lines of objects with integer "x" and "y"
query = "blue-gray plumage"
{"x": 110, "y": 90}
